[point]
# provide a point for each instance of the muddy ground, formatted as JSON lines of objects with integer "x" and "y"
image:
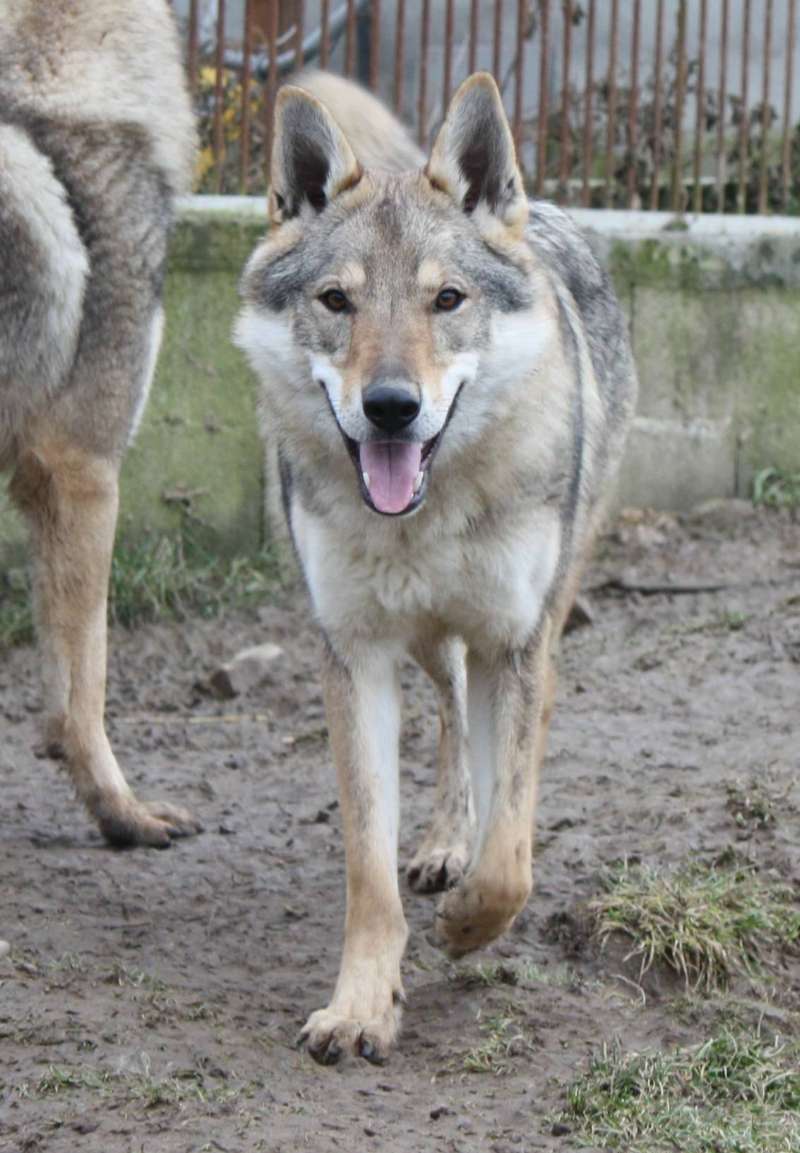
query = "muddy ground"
{"x": 151, "y": 999}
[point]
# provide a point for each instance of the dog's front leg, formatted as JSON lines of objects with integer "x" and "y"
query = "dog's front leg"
{"x": 509, "y": 700}
{"x": 363, "y": 711}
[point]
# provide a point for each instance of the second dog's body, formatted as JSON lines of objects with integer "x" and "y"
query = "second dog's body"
{"x": 447, "y": 381}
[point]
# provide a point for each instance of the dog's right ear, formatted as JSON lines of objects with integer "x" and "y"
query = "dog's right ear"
{"x": 311, "y": 159}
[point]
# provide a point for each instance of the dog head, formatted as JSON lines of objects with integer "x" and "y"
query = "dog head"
{"x": 371, "y": 304}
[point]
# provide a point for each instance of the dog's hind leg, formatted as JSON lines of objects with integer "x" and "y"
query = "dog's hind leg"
{"x": 441, "y": 859}
{"x": 70, "y": 500}
{"x": 363, "y": 711}
{"x": 509, "y": 702}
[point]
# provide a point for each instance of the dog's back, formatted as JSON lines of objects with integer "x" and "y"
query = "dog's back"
{"x": 95, "y": 141}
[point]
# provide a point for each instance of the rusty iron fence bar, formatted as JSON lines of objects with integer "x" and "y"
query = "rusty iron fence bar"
{"x": 611, "y": 115}
{"x": 422, "y": 100}
{"x": 447, "y": 87}
{"x": 474, "y": 24}
{"x": 766, "y": 111}
{"x": 657, "y": 109}
{"x": 497, "y": 39}
{"x": 786, "y": 149}
{"x": 587, "y": 112}
{"x": 565, "y": 141}
{"x": 325, "y": 42}
{"x": 541, "y": 135}
{"x": 247, "y": 49}
{"x": 399, "y": 55}
{"x": 656, "y": 119}
{"x": 350, "y": 39}
{"x": 743, "y": 112}
{"x": 723, "y": 64}
{"x": 700, "y": 118}
{"x": 633, "y": 104}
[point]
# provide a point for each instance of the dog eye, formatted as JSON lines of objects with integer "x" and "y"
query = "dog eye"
{"x": 335, "y": 300}
{"x": 448, "y": 300}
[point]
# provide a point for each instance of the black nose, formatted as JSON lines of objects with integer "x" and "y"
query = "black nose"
{"x": 390, "y": 407}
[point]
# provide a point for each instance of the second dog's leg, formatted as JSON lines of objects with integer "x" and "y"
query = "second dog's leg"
{"x": 510, "y": 697}
{"x": 441, "y": 859}
{"x": 70, "y": 500}
{"x": 363, "y": 712}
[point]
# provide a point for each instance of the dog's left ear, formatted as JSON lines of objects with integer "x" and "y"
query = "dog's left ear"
{"x": 474, "y": 159}
{"x": 311, "y": 159}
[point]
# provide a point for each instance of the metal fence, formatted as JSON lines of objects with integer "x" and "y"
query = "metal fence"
{"x": 687, "y": 105}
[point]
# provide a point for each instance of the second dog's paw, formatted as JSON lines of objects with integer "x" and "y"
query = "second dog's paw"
{"x": 329, "y": 1035}
{"x": 434, "y": 870}
{"x": 126, "y": 822}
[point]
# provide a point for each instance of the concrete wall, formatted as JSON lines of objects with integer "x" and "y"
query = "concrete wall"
{"x": 714, "y": 308}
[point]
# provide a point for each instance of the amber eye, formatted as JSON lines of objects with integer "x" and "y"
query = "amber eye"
{"x": 448, "y": 300}
{"x": 335, "y": 300}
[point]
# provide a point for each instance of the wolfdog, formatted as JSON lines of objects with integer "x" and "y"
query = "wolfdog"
{"x": 447, "y": 378}
{"x": 96, "y": 140}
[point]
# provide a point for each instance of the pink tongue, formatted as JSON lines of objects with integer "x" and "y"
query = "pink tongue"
{"x": 392, "y": 468}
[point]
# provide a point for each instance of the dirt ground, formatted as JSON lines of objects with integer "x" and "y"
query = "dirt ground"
{"x": 151, "y": 1000}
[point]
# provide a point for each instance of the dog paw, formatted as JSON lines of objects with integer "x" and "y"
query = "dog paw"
{"x": 477, "y": 911}
{"x": 329, "y": 1035}
{"x": 126, "y": 822}
{"x": 433, "y": 870}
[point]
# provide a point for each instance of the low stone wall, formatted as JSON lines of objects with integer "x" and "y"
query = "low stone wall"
{"x": 714, "y": 308}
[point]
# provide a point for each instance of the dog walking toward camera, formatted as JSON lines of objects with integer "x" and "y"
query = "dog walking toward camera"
{"x": 96, "y": 141}
{"x": 447, "y": 382}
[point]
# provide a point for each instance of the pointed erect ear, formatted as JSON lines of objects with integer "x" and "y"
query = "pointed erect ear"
{"x": 473, "y": 158}
{"x": 311, "y": 160}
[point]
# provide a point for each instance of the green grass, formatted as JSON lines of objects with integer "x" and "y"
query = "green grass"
{"x": 503, "y": 1039}
{"x": 736, "y": 1093}
{"x": 776, "y": 488}
{"x": 140, "y": 1087}
{"x": 168, "y": 578}
{"x": 706, "y": 922}
{"x": 494, "y": 974}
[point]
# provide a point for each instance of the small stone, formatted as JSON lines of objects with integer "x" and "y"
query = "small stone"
{"x": 560, "y": 1129}
{"x": 440, "y": 1111}
{"x": 247, "y": 670}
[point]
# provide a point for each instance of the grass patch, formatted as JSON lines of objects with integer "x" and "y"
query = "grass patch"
{"x": 494, "y": 974}
{"x": 142, "y": 1088}
{"x": 502, "y": 1041}
{"x": 706, "y": 922}
{"x": 776, "y": 488}
{"x": 752, "y": 805}
{"x": 169, "y": 578}
{"x": 736, "y": 1093}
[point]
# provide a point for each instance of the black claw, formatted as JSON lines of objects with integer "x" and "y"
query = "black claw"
{"x": 328, "y": 1054}
{"x": 370, "y": 1053}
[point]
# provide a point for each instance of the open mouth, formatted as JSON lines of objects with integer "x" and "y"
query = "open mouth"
{"x": 393, "y": 475}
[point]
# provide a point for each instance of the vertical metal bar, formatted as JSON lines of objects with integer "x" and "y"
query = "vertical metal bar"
{"x": 191, "y": 64}
{"x": 680, "y": 95}
{"x": 299, "y": 32}
{"x": 219, "y": 96}
{"x": 633, "y": 103}
{"x": 399, "y": 55}
{"x": 565, "y": 143}
{"x": 325, "y": 42}
{"x": 765, "y": 110}
{"x": 741, "y": 195}
{"x": 700, "y": 119}
{"x": 448, "y": 55}
{"x": 786, "y": 164}
{"x": 723, "y": 77}
{"x": 244, "y": 145}
{"x": 497, "y": 43}
{"x": 587, "y": 117}
{"x": 543, "y": 113}
{"x": 374, "y": 44}
{"x": 657, "y": 110}
{"x": 272, "y": 84}
{"x": 422, "y": 98}
{"x": 350, "y": 39}
{"x": 473, "y": 35}
{"x": 519, "y": 72}
{"x": 611, "y": 86}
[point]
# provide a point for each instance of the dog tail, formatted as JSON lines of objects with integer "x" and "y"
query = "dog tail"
{"x": 377, "y": 138}
{"x": 43, "y": 272}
